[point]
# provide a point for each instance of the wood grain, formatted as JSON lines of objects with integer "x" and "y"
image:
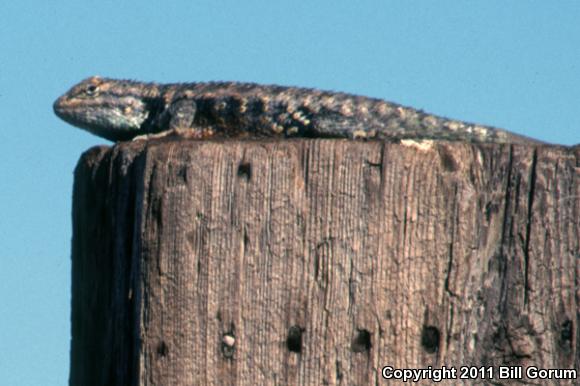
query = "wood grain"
{"x": 319, "y": 262}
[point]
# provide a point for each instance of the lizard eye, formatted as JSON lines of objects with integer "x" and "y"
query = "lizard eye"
{"x": 91, "y": 89}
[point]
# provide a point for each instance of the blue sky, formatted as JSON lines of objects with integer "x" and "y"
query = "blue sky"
{"x": 514, "y": 65}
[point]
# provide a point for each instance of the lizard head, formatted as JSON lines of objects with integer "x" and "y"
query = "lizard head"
{"x": 113, "y": 109}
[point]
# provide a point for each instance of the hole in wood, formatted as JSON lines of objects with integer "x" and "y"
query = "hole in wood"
{"x": 361, "y": 341}
{"x": 447, "y": 160}
{"x": 245, "y": 171}
{"x": 294, "y": 340}
{"x": 430, "y": 339}
{"x": 228, "y": 345}
{"x": 246, "y": 239}
{"x": 566, "y": 334}
{"x": 162, "y": 349}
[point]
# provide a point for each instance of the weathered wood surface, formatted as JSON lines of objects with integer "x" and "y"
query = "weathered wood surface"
{"x": 319, "y": 262}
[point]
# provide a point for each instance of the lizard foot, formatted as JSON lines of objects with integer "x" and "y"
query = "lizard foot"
{"x": 182, "y": 133}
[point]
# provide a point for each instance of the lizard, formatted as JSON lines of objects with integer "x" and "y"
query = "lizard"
{"x": 120, "y": 110}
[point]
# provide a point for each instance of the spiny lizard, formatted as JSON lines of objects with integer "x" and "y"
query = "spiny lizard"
{"x": 120, "y": 110}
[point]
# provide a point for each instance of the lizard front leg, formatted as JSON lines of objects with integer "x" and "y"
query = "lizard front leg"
{"x": 178, "y": 119}
{"x": 182, "y": 115}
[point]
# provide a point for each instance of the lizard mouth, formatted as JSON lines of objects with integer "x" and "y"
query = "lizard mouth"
{"x": 57, "y": 107}
{"x": 66, "y": 113}
{"x": 61, "y": 109}
{"x": 73, "y": 113}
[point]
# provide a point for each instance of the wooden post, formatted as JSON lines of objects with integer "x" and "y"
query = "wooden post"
{"x": 320, "y": 262}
